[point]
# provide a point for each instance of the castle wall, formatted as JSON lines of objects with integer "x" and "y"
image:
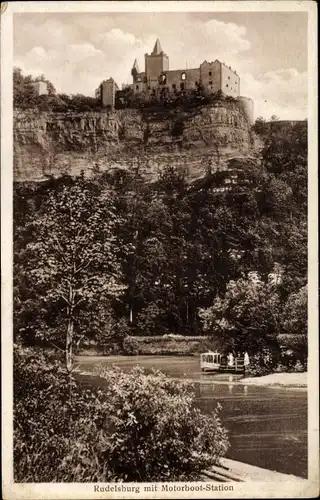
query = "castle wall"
{"x": 41, "y": 88}
{"x": 108, "y": 93}
{"x": 187, "y": 78}
{"x": 247, "y": 107}
{"x": 139, "y": 84}
{"x": 230, "y": 82}
{"x": 210, "y": 74}
{"x": 154, "y": 66}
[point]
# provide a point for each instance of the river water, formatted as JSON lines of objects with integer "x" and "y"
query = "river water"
{"x": 267, "y": 426}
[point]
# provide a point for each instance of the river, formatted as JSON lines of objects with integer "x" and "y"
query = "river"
{"x": 267, "y": 426}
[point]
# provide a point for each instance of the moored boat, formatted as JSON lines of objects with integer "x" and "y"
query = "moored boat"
{"x": 210, "y": 361}
{"x": 215, "y": 361}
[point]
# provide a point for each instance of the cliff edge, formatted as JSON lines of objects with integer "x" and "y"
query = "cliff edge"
{"x": 51, "y": 143}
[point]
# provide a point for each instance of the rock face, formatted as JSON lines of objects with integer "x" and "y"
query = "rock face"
{"x": 47, "y": 143}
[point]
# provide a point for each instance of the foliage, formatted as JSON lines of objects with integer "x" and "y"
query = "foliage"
{"x": 130, "y": 346}
{"x": 295, "y": 313}
{"x": 58, "y": 427}
{"x": 247, "y": 316}
{"x": 263, "y": 362}
{"x": 24, "y": 93}
{"x": 71, "y": 269}
{"x": 25, "y": 96}
{"x": 137, "y": 428}
{"x": 77, "y": 102}
{"x": 183, "y": 99}
{"x": 157, "y": 433}
{"x": 295, "y": 323}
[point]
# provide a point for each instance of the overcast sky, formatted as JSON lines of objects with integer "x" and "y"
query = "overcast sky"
{"x": 77, "y": 51}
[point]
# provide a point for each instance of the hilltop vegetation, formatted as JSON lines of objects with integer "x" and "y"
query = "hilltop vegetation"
{"x": 26, "y": 97}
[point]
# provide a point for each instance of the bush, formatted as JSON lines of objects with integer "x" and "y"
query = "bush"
{"x": 158, "y": 435}
{"x": 262, "y": 363}
{"x": 293, "y": 360}
{"x": 130, "y": 346}
{"x": 58, "y": 434}
{"x": 139, "y": 427}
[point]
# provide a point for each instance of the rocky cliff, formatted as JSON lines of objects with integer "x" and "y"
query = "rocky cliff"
{"x": 47, "y": 143}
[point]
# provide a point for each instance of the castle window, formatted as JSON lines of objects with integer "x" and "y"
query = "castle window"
{"x": 210, "y": 73}
{"x": 183, "y": 76}
{"x": 181, "y": 86}
{"x": 174, "y": 86}
{"x": 138, "y": 79}
{"x": 228, "y": 77}
{"x": 210, "y": 82}
{"x": 227, "y": 85}
{"x": 149, "y": 88}
{"x": 163, "y": 79}
{"x": 137, "y": 87}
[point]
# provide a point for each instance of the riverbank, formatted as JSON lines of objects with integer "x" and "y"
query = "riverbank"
{"x": 233, "y": 470}
{"x": 291, "y": 380}
{"x": 167, "y": 345}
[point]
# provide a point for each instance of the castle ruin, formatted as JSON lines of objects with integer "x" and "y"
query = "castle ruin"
{"x": 158, "y": 82}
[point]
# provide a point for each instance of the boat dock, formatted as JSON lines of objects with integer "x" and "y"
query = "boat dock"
{"x": 237, "y": 367}
{"x": 215, "y": 361}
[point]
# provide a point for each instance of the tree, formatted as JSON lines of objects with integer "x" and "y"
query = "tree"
{"x": 72, "y": 266}
{"x": 247, "y": 317}
{"x": 295, "y": 313}
{"x": 80, "y": 102}
{"x": 285, "y": 158}
{"x": 295, "y": 323}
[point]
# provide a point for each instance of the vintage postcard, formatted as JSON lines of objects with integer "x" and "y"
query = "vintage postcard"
{"x": 159, "y": 250}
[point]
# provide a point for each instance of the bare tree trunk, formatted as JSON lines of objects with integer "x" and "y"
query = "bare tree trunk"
{"x": 187, "y": 313}
{"x": 69, "y": 341}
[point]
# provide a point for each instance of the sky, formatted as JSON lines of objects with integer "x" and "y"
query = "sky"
{"x": 76, "y": 51}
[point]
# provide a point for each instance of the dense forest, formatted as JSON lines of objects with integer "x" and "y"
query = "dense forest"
{"x": 115, "y": 255}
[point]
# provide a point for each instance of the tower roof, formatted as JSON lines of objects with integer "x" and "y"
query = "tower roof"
{"x": 157, "y": 49}
{"x": 136, "y": 66}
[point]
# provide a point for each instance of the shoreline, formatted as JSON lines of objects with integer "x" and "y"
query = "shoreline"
{"x": 282, "y": 380}
{"x": 294, "y": 380}
{"x": 233, "y": 470}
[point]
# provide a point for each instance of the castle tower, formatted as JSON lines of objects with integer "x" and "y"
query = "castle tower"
{"x": 157, "y": 49}
{"x": 246, "y": 105}
{"x": 135, "y": 70}
{"x": 155, "y": 64}
{"x": 108, "y": 89}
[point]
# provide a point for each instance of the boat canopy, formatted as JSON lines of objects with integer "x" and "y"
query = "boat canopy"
{"x": 211, "y": 357}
